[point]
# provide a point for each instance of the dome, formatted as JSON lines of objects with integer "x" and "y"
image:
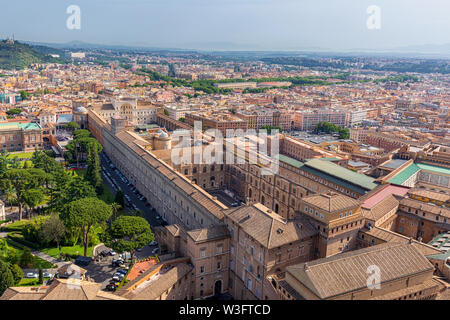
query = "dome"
{"x": 159, "y": 131}
{"x": 164, "y": 135}
{"x": 80, "y": 110}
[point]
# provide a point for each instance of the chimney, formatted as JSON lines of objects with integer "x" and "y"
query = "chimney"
{"x": 306, "y": 266}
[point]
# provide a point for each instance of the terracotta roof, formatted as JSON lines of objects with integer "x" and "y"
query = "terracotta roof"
{"x": 430, "y": 194}
{"x": 430, "y": 284}
{"x": 416, "y": 204}
{"x": 382, "y": 208}
{"x": 393, "y": 237}
{"x": 23, "y": 293}
{"x": 72, "y": 289}
{"x": 215, "y": 232}
{"x": 140, "y": 267}
{"x": 160, "y": 282}
{"x": 331, "y": 202}
{"x": 347, "y": 272}
{"x": 268, "y": 228}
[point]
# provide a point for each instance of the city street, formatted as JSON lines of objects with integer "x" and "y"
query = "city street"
{"x": 126, "y": 190}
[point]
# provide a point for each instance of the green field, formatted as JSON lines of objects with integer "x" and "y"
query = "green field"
{"x": 21, "y": 155}
{"x": 75, "y": 250}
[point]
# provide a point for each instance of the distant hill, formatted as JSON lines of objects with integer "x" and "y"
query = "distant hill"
{"x": 17, "y": 55}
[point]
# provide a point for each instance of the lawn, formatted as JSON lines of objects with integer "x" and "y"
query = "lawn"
{"x": 38, "y": 262}
{"x": 75, "y": 250}
{"x": 30, "y": 282}
{"x": 21, "y": 155}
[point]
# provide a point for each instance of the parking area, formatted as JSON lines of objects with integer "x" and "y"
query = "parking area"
{"x": 114, "y": 179}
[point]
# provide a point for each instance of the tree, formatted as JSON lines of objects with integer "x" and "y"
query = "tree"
{"x": 166, "y": 112}
{"x": 128, "y": 233}
{"x": 93, "y": 174}
{"x": 24, "y": 95}
{"x": 33, "y": 198}
{"x": 84, "y": 214}
{"x": 115, "y": 207}
{"x": 182, "y": 119}
{"x": 119, "y": 198}
{"x": 72, "y": 126}
{"x": 41, "y": 276}
{"x": 53, "y": 230}
{"x": 4, "y": 161}
{"x": 77, "y": 188}
{"x": 10, "y": 196}
{"x": 14, "y": 111}
{"x": 16, "y": 272}
{"x": 26, "y": 259}
{"x": 82, "y": 133}
{"x": 6, "y": 277}
{"x": 22, "y": 180}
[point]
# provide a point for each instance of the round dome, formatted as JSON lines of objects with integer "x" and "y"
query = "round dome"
{"x": 80, "y": 110}
{"x": 159, "y": 131}
{"x": 164, "y": 135}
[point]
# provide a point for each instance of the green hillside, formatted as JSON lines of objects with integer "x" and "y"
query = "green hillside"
{"x": 19, "y": 55}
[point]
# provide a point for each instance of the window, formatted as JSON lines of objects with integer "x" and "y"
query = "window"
{"x": 219, "y": 248}
{"x": 202, "y": 269}
{"x": 202, "y": 252}
{"x": 218, "y": 265}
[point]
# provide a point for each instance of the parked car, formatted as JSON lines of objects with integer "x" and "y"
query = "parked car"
{"x": 153, "y": 243}
{"x": 122, "y": 271}
{"x": 31, "y": 275}
{"x": 116, "y": 278}
{"x": 118, "y": 262}
{"x": 147, "y": 204}
{"x": 158, "y": 217}
{"x": 154, "y": 251}
{"x": 112, "y": 253}
{"x": 47, "y": 275}
{"x": 111, "y": 287}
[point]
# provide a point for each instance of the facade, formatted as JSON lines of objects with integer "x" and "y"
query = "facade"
{"x": 20, "y": 136}
{"x": 136, "y": 112}
{"x": 405, "y": 274}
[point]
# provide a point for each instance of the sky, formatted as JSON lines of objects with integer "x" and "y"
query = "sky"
{"x": 277, "y": 25}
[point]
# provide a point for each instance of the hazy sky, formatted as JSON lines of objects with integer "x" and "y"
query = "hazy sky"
{"x": 231, "y": 24}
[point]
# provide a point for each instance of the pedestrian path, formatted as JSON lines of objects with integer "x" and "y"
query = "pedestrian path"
{"x": 37, "y": 253}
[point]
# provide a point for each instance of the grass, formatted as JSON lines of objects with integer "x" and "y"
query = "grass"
{"x": 38, "y": 262}
{"x": 21, "y": 155}
{"x": 54, "y": 252}
{"x": 30, "y": 282}
{"x": 107, "y": 195}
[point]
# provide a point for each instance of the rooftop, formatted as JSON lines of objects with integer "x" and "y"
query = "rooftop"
{"x": 331, "y": 169}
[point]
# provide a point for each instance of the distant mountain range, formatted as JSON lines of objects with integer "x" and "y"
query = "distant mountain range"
{"x": 18, "y": 55}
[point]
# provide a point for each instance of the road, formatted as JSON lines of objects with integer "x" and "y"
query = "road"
{"x": 126, "y": 190}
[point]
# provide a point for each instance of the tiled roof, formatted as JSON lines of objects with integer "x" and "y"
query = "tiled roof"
{"x": 268, "y": 228}
{"x": 416, "y": 204}
{"x": 393, "y": 237}
{"x": 383, "y": 207}
{"x": 331, "y": 202}
{"x": 347, "y": 272}
{"x": 215, "y": 232}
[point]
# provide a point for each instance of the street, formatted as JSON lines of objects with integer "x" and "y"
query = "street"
{"x": 126, "y": 190}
